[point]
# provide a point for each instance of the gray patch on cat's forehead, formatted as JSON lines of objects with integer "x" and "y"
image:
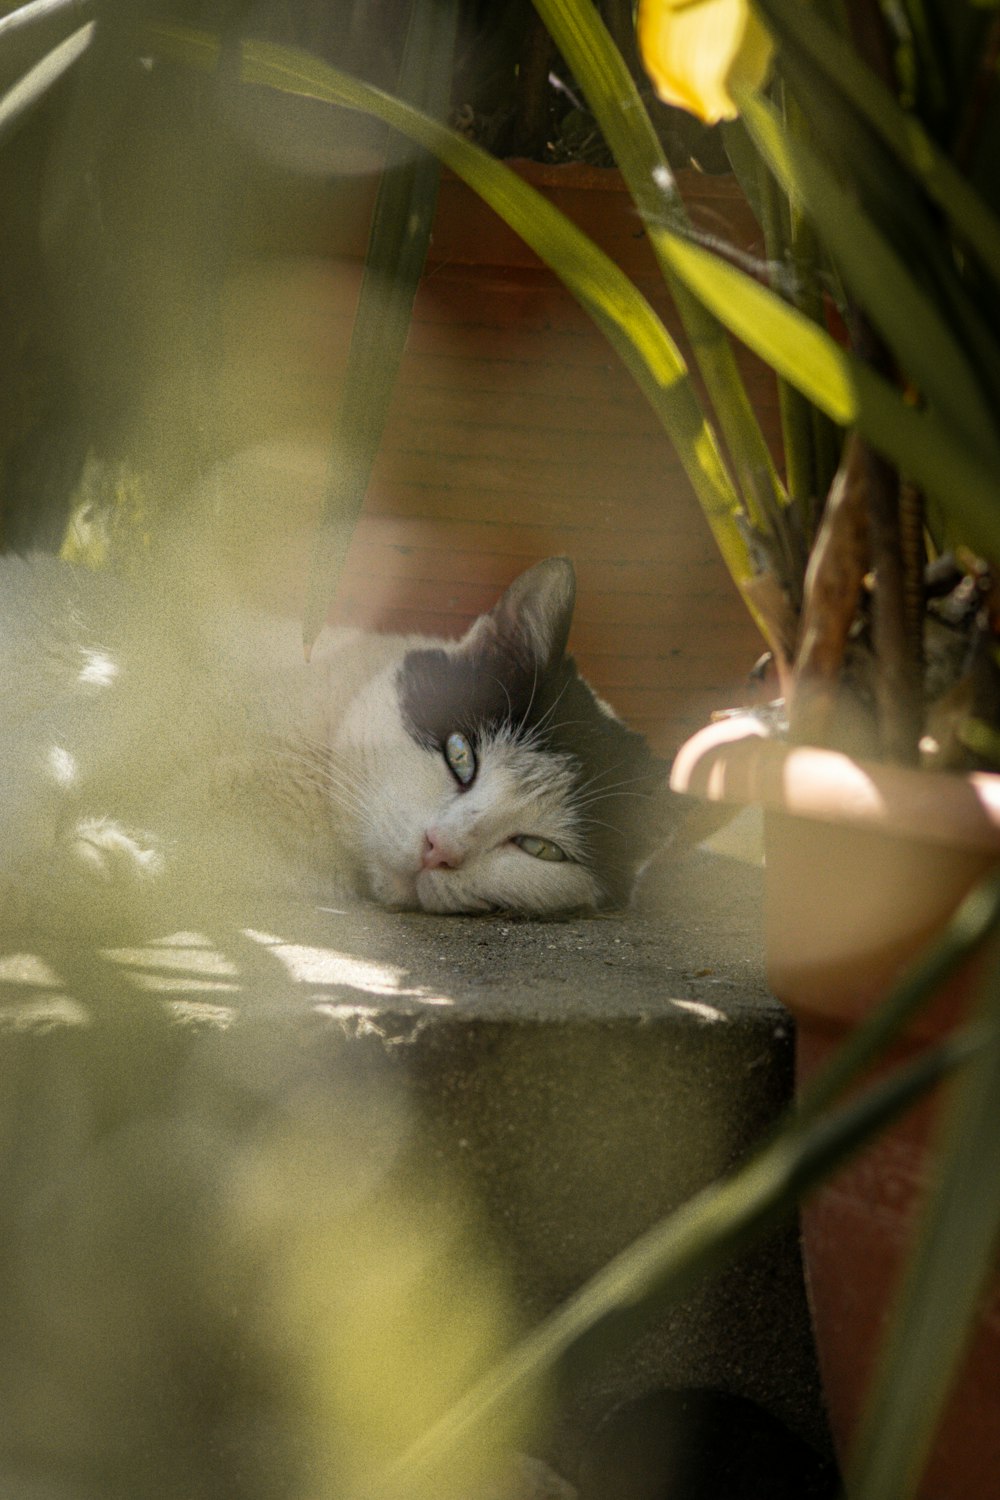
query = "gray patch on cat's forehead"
{"x": 468, "y": 691}
{"x": 487, "y": 688}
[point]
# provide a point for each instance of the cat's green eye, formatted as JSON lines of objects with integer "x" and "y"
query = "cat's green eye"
{"x": 460, "y": 757}
{"x": 538, "y": 848}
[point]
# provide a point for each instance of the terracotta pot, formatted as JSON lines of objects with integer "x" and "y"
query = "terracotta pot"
{"x": 864, "y": 863}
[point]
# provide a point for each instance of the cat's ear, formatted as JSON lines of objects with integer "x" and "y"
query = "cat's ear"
{"x": 533, "y": 616}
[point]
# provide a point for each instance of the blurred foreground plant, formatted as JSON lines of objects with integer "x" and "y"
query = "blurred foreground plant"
{"x": 870, "y": 170}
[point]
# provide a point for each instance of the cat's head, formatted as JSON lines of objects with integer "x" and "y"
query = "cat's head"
{"x": 500, "y": 781}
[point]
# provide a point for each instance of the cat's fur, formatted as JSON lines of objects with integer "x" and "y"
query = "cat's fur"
{"x": 148, "y": 741}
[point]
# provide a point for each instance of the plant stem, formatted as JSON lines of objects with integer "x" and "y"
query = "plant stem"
{"x": 871, "y": 38}
{"x": 898, "y": 686}
{"x": 837, "y": 568}
{"x": 897, "y": 628}
{"x": 981, "y": 95}
{"x": 531, "y": 112}
{"x": 795, "y": 432}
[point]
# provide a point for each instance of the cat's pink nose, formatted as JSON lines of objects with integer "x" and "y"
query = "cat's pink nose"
{"x": 438, "y": 853}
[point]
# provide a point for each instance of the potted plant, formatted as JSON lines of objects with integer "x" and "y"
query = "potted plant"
{"x": 868, "y": 852}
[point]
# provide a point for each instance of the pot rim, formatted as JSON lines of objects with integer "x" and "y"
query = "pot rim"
{"x": 737, "y": 761}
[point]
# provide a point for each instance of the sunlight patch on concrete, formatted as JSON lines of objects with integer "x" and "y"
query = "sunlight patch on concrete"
{"x": 185, "y": 962}
{"x": 99, "y": 669}
{"x": 177, "y": 954}
{"x": 62, "y": 766}
{"x": 27, "y": 968}
{"x": 42, "y": 1014}
{"x": 44, "y": 1010}
{"x": 183, "y": 984}
{"x": 698, "y": 1008}
{"x": 330, "y": 967}
{"x": 201, "y": 1013}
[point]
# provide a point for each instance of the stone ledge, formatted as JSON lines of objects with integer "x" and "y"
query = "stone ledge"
{"x": 578, "y": 1078}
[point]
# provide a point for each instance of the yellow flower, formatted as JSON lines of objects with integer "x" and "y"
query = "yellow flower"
{"x": 699, "y": 52}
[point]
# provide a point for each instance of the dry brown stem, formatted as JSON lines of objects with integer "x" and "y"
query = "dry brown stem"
{"x": 770, "y": 606}
{"x": 833, "y": 582}
{"x": 897, "y": 557}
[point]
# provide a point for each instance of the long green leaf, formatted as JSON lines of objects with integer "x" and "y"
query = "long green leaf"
{"x": 946, "y": 1277}
{"x": 894, "y": 199}
{"x": 34, "y": 11}
{"x": 616, "y": 1305}
{"x": 600, "y": 70}
{"x": 904, "y": 134}
{"x": 397, "y": 249}
{"x": 898, "y": 306}
{"x": 926, "y": 449}
{"x": 840, "y": 385}
{"x": 618, "y": 308}
{"x": 35, "y": 84}
{"x": 782, "y": 226}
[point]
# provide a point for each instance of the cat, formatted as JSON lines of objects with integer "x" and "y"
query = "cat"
{"x": 147, "y": 742}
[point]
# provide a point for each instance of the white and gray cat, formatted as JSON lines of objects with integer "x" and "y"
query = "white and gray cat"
{"x": 146, "y": 741}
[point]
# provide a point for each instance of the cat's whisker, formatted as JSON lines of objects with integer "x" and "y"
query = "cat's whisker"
{"x": 531, "y": 703}
{"x": 565, "y": 723}
{"x": 594, "y": 783}
{"x": 358, "y": 797}
{"x": 583, "y": 804}
{"x": 594, "y": 792}
{"x": 538, "y": 728}
{"x": 591, "y": 823}
{"x": 342, "y": 796}
{"x": 584, "y": 815}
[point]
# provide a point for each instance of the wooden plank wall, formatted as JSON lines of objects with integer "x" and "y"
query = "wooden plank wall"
{"x": 514, "y": 434}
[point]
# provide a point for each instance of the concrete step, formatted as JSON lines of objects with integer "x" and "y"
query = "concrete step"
{"x": 310, "y": 1158}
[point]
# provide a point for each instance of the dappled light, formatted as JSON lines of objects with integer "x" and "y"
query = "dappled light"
{"x": 708, "y": 1013}
{"x": 325, "y": 966}
{"x": 32, "y": 997}
{"x": 99, "y": 668}
{"x": 62, "y": 765}
{"x": 187, "y": 963}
